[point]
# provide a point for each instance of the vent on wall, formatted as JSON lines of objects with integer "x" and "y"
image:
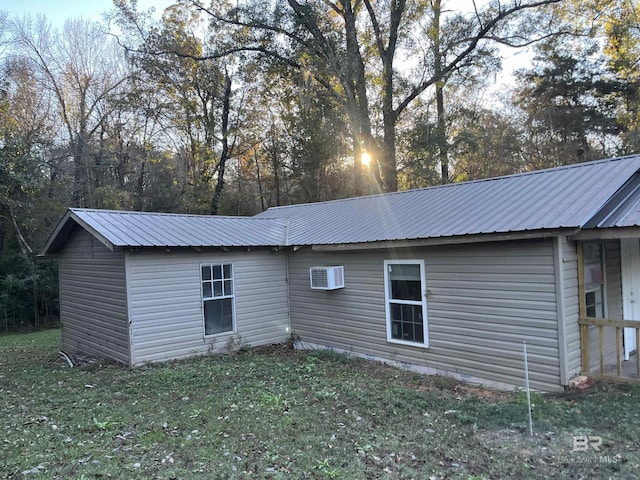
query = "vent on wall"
{"x": 326, "y": 278}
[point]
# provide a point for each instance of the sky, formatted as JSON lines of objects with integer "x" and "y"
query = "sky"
{"x": 57, "y": 11}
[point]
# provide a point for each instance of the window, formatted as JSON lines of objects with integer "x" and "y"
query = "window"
{"x": 594, "y": 279}
{"x": 406, "y": 302}
{"x": 218, "y": 298}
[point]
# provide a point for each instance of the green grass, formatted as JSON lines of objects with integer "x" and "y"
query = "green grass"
{"x": 277, "y": 413}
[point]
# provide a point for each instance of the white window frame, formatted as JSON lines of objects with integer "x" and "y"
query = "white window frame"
{"x": 220, "y": 297}
{"x": 388, "y": 300}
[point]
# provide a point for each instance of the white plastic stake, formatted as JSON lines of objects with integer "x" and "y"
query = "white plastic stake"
{"x": 526, "y": 378}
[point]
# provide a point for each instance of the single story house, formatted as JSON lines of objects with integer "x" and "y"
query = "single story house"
{"x": 450, "y": 279}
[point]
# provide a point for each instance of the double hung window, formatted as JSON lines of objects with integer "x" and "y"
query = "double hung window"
{"x": 218, "y": 298}
{"x": 406, "y": 304}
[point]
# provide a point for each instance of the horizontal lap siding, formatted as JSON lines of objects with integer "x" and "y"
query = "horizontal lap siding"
{"x": 93, "y": 303}
{"x": 483, "y": 301}
{"x": 166, "y": 302}
{"x": 344, "y": 318}
{"x": 571, "y": 306}
{"x": 513, "y": 300}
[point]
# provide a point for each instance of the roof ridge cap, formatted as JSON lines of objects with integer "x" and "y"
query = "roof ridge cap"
{"x": 458, "y": 184}
{"x": 168, "y": 214}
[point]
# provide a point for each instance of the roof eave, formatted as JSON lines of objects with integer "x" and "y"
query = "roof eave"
{"x": 606, "y": 233}
{"x": 450, "y": 240}
{"x": 198, "y": 248}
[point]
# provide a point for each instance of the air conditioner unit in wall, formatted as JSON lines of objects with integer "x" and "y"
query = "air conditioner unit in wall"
{"x": 326, "y": 278}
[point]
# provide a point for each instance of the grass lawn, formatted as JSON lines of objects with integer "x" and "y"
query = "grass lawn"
{"x": 277, "y": 413}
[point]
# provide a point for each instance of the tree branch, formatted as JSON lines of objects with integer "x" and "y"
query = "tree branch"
{"x": 526, "y": 43}
{"x": 212, "y": 56}
{"x": 376, "y": 28}
{"x": 252, "y": 24}
{"x": 481, "y": 35}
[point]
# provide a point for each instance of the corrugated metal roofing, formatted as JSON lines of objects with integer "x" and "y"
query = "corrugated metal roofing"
{"x": 622, "y": 210}
{"x": 599, "y": 194}
{"x": 143, "y": 229}
{"x": 563, "y": 197}
{"x": 629, "y": 218}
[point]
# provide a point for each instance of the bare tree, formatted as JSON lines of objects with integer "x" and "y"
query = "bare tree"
{"x": 83, "y": 70}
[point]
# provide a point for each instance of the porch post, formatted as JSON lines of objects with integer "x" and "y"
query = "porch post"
{"x": 582, "y": 312}
{"x": 560, "y": 310}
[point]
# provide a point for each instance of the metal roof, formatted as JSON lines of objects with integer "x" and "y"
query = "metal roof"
{"x": 557, "y": 198}
{"x": 622, "y": 210}
{"x": 142, "y": 229}
{"x": 600, "y": 194}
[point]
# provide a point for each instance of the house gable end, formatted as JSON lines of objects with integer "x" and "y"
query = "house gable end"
{"x": 65, "y": 228}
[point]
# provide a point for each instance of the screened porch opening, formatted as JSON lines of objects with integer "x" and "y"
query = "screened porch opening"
{"x": 609, "y": 307}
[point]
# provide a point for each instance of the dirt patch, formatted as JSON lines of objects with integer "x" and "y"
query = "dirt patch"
{"x": 484, "y": 393}
{"x": 455, "y": 387}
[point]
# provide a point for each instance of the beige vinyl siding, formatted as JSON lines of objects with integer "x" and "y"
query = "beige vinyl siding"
{"x": 571, "y": 307}
{"x": 93, "y": 304}
{"x": 484, "y": 300}
{"x": 166, "y": 302}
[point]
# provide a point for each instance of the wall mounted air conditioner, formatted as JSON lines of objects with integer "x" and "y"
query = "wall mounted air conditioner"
{"x": 326, "y": 278}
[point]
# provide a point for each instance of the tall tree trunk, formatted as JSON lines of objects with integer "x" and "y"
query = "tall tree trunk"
{"x": 443, "y": 147}
{"x": 357, "y": 166}
{"x": 259, "y": 180}
{"x": 275, "y": 164}
{"x": 389, "y": 117}
{"x": 26, "y": 250}
{"x": 79, "y": 174}
{"x": 359, "y": 110}
{"x": 226, "y": 150}
{"x": 441, "y": 138}
{"x": 3, "y": 234}
{"x": 139, "y": 202}
{"x": 99, "y": 174}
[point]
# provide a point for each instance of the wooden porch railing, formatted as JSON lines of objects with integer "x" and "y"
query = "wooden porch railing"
{"x": 585, "y": 322}
{"x": 605, "y": 364}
